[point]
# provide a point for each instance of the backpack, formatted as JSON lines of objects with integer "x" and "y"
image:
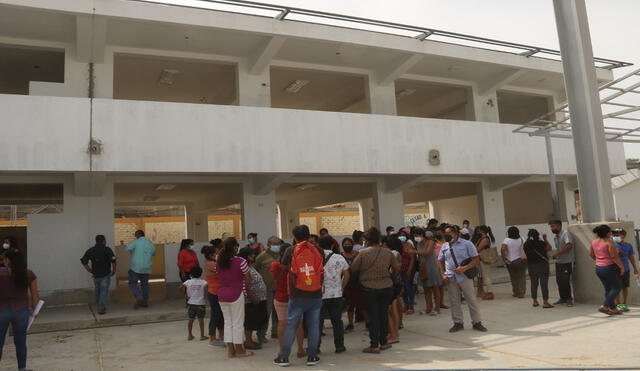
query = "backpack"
{"x": 307, "y": 267}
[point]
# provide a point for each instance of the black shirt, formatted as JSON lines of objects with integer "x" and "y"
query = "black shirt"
{"x": 536, "y": 252}
{"x": 295, "y": 293}
{"x": 101, "y": 257}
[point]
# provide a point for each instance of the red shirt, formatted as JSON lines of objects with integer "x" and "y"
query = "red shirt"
{"x": 282, "y": 282}
{"x": 187, "y": 259}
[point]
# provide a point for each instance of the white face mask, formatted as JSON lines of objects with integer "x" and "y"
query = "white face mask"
{"x": 402, "y": 238}
{"x": 6, "y": 246}
{"x": 418, "y": 239}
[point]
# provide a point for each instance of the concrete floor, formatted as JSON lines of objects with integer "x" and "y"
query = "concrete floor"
{"x": 519, "y": 336}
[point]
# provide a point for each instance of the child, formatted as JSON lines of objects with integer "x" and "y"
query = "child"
{"x": 194, "y": 290}
{"x": 625, "y": 250}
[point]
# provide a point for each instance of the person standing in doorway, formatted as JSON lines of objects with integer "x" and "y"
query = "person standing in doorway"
{"x": 565, "y": 256}
{"x": 516, "y": 261}
{"x": 457, "y": 257}
{"x": 142, "y": 252}
{"x": 263, "y": 266}
{"x": 625, "y": 251}
{"x": 103, "y": 266}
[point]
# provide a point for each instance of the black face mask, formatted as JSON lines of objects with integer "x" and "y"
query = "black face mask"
{"x": 347, "y": 249}
{"x": 448, "y": 238}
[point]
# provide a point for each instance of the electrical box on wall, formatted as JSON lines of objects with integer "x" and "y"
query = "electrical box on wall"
{"x": 434, "y": 157}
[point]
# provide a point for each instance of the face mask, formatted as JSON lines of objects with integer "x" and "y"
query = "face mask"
{"x": 402, "y": 238}
{"x": 275, "y": 248}
{"x": 191, "y": 247}
{"x": 347, "y": 248}
{"x": 418, "y": 239}
{"x": 617, "y": 239}
{"x": 252, "y": 240}
{"x": 448, "y": 238}
{"x": 6, "y": 246}
{"x": 465, "y": 225}
{"x": 391, "y": 232}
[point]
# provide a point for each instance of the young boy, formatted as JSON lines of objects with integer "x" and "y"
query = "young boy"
{"x": 194, "y": 290}
{"x": 625, "y": 250}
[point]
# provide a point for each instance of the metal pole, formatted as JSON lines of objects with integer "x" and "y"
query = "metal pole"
{"x": 552, "y": 178}
{"x": 592, "y": 159}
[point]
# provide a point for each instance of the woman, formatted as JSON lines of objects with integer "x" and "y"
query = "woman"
{"x": 211, "y": 276}
{"x": 393, "y": 243}
{"x": 408, "y": 263}
{"x": 281, "y": 301}
{"x": 233, "y": 274}
{"x": 484, "y": 239}
{"x": 538, "y": 264}
{"x": 515, "y": 259}
{"x": 353, "y": 292}
{"x": 9, "y": 243}
{"x": 609, "y": 267}
{"x": 255, "y": 307}
{"x": 373, "y": 263}
{"x": 15, "y": 283}
{"x": 187, "y": 259}
{"x": 440, "y": 241}
{"x": 426, "y": 247}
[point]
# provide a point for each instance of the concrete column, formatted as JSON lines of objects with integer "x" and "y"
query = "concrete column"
{"x": 485, "y": 106}
{"x": 382, "y": 98}
{"x": 103, "y": 73}
{"x": 367, "y": 213}
{"x": 258, "y": 213}
{"x": 197, "y": 224}
{"x": 592, "y": 159}
{"x": 389, "y": 207}
{"x": 289, "y": 218}
{"x": 253, "y": 89}
{"x": 491, "y": 209}
{"x": 433, "y": 209}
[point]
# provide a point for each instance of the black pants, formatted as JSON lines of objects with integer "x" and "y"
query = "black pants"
{"x": 563, "y": 278}
{"x": 333, "y": 307}
{"x": 377, "y": 302}
{"x": 539, "y": 274}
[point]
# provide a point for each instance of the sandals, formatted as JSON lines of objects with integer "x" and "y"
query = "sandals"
{"x": 371, "y": 350}
{"x": 546, "y": 306}
{"x": 385, "y": 347}
{"x": 245, "y": 354}
{"x": 614, "y": 312}
{"x": 536, "y": 304}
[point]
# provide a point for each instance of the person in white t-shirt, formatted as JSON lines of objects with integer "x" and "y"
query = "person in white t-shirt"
{"x": 514, "y": 257}
{"x": 194, "y": 290}
{"x": 336, "y": 276}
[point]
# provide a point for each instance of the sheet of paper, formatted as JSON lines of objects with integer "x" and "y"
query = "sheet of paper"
{"x": 35, "y": 313}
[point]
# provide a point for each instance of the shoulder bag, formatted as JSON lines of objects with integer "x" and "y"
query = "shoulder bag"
{"x": 470, "y": 273}
{"x": 489, "y": 255}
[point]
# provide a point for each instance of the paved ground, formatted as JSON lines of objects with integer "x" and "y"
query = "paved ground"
{"x": 520, "y": 337}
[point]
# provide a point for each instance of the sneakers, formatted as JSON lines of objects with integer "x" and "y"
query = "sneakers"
{"x": 312, "y": 361}
{"x": 262, "y": 339}
{"x": 622, "y": 307}
{"x": 478, "y": 327}
{"x": 281, "y": 361}
{"x": 456, "y": 327}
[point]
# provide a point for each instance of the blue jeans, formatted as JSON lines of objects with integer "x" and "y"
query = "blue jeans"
{"x": 102, "y": 290}
{"x": 408, "y": 295}
{"x": 612, "y": 282}
{"x": 310, "y": 308}
{"x": 217, "y": 319}
{"x": 19, "y": 320}
{"x": 144, "y": 284}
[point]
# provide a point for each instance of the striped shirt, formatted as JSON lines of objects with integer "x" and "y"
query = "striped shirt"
{"x": 232, "y": 280}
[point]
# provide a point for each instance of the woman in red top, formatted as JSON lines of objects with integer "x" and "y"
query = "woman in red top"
{"x": 281, "y": 301}
{"x": 187, "y": 259}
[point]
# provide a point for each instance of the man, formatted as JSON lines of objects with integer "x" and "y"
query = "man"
{"x": 103, "y": 266}
{"x": 390, "y": 230}
{"x": 142, "y": 253}
{"x": 252, "y": 240}
{"x": 565, "y": 256}
{"x": 358, "y": 240}
{"x": 336, "y": 276}
{"x": 335, "y": 244}
{"x": 305, "y": 264}
{"x": 263, "y": 266}
{"x": 454, "y": 252}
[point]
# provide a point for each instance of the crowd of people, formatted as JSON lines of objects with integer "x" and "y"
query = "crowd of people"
{"x": 292, "y": 289}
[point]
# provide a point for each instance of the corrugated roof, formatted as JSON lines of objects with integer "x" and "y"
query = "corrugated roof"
{"x": 629, "y": 177}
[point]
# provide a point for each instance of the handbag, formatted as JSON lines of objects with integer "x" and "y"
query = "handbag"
{"x": 470, "y": 273}
{"x": 489, "y": 255}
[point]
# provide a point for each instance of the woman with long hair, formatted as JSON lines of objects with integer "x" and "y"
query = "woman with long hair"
{"x": 233, "y": 274}
{"x": 538, "y": 264}
{"x": 483, "y": 240}
{"x": 609, "y": 267}
{"x": 16, "y": 281}
{"x": 187, "y": 259}
{"x": 430, "y": 277}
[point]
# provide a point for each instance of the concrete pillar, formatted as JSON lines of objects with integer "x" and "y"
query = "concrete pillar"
{"x": 592, "y": 159}
{"x": 258, "y": 213}
{"x": 389, "y": 207}
{"x": 433, "y": 210}
{"x": 103, "y": 73}
{"x": 367, "y": 214}
{"x": 289, "y": 218}
{"x": 491, "y": 209}
{"x": 197, "y": 224}
{"x": 382, "y": 98}
{"x": 485, "y": 106}
{"x": 253, "y": 89}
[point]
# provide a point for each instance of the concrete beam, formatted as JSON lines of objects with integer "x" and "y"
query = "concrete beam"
{"x": 91, "y": 38}
{"x": 391, "y": 72}
{"x": 327, "y": 198}
{"x": 401, "y": 183}
{"x": 499, "y": 183}
{"x": 89, "y": 184}
{"x": 496, "y": 82}
{"x": 260, "y": 60}
{"x": 264, "y": 184}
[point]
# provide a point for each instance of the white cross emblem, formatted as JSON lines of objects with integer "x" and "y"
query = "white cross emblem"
{"x": 307, "y": 269}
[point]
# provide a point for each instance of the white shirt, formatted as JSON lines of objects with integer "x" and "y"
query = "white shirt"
{"x": 332, "y": 282}
{"x": 196, "y": 287}
{"x": 515, "y": 248}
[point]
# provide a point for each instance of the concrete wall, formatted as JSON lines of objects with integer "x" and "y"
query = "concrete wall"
{"x": 530, "y": 203}
{"x": 455, "y": 210}
{"x": 628, "y": 202}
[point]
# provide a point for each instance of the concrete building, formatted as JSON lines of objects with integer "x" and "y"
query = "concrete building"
{"x": 114, "y": 104}
{"x": 626, "y": 192}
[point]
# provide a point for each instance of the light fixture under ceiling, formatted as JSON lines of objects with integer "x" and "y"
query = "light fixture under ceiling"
{"x": 296, "y": 85}
{"x": 304, "y": 187}
{"x": 405, "y": 92}
{"x": 167, "y": 76}
{"x": 150, "y": 198}
{"x": 165, "y": 187}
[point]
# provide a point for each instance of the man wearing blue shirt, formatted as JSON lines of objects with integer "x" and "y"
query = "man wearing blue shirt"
{"x": 142, "y": 252}
{"x": 625, "y": 251}
{"x": 455, "y": 279}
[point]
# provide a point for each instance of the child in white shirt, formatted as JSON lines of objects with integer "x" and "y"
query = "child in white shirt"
{"x": 194, "y": 290}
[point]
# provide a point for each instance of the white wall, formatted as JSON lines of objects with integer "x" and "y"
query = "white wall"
{"x": 627, "y": 200}
{"x": 455, "y": 210}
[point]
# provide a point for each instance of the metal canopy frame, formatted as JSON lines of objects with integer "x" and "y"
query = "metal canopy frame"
{"x": 557, "y": 123}
{"x": 282, "y": 13}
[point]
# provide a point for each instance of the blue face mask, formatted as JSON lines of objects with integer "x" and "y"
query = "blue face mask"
{"x": 275, "y": 248}
{"x": 252, "y": 240}
{"x": 617, "y": 239}
{"x": 402, "y": 238}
